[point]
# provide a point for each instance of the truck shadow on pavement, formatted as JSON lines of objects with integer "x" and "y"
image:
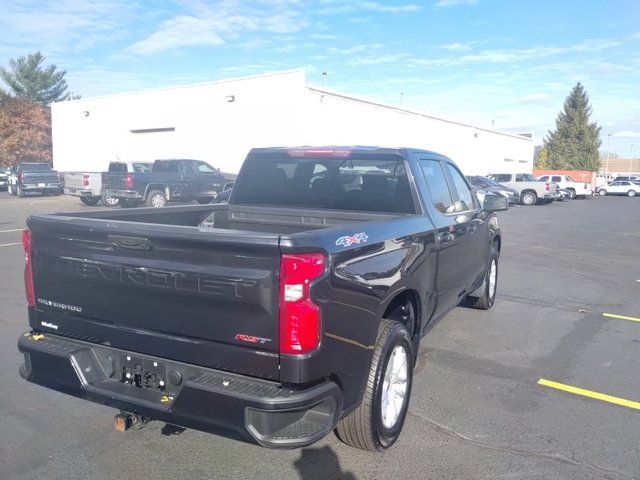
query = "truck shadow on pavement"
{"x": 316, "y": 463}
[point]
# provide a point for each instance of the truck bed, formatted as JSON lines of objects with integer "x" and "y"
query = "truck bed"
{"x": 180, "y": 283}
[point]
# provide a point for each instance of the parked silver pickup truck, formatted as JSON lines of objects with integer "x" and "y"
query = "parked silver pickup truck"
{"x": 531, "y": 190}
{"x": 88, "y": 185}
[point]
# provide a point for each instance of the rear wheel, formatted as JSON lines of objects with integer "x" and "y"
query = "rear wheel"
{"x": 89, "y": 200}
{"x": 377, "y": 422}
{"x": 156, "y": 198}
{"x": 631, "y": 193}
{"x": 602, "y": 192}
{"x": 109, "y": 201}
{"x": 529, "y": 198}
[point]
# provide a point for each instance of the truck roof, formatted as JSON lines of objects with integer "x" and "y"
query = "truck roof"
{"x": 341, "y": 150}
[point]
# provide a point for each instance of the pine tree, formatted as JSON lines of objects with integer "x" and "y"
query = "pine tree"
{"x": 26, "y": 78}
{"x": 575, "y": 142}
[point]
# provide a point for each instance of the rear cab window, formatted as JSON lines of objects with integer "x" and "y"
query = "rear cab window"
{"x": 374, "y": 183}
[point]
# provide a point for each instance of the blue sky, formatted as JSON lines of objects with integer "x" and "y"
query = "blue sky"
{"x": 479, "y": 61}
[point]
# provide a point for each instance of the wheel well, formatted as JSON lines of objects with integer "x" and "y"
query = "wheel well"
{"x": 528, "y": 190}
{"x": 572, "y": 189}
{"x": 498, "y": 241}
{"x": 399, "y": 299}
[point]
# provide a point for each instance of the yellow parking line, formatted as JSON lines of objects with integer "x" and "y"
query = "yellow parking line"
{"x": 621, "y": 317}
{"x": 588, "y": 393}
{"x": 8, "y": 231}
{"x": 9, "y": 244}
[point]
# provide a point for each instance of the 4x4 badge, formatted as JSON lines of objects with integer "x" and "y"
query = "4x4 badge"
{"x": 347, "y": 240}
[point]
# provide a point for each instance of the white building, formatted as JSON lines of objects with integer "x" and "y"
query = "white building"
{"x": 219, "y": 122}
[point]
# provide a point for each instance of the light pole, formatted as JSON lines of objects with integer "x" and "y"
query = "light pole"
{"x": 606, "y": 168}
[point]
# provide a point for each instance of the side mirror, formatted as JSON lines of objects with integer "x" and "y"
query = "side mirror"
{"x": 494, "y": 203}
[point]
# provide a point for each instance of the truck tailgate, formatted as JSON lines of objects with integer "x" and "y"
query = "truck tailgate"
{"x": 175, "y": 292}
{"x": 115, "y": 180}
{"x": 39, "y": 177}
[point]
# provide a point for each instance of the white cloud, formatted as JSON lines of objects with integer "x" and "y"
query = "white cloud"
{"x": 209, "y": 25}
{"x": 626, "y": 134}
{"x": 455, "y": 3}
{"x": 457, "y": 47}
{"x": 336, "y": 7}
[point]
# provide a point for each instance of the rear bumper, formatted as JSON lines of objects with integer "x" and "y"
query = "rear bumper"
{"x": 131, "y": 194}
{"x": 80, "y": 192}
{"x": 40, "y": 187}
{"x": 210, "y": 400}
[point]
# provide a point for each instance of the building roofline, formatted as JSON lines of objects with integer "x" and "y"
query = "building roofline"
{"x": 190, "y": 85}
{"x": 345, "y": 96}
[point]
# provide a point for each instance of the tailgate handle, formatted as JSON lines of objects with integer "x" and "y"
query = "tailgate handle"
{"x": 132, "y": 243}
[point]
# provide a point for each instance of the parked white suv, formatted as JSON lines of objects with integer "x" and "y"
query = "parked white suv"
{"x": 577, "y": 189}
{"x": 626, "y": 187}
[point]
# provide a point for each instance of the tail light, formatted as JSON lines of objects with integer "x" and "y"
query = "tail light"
{"x": 300, "y": 320}
{"x": 128, "y": 180}
{"x": 85, "y": 180}
{"x": 548, "y": 186}
{"x": 28, "y": 268}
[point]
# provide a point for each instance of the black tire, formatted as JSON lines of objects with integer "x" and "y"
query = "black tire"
{"x": 89, "y": 200}
{"x": 108, "y": 201}
{"x": 602, "y": 192}
{"x": 529, "y": 198}
{"x": 488, "y": 298}
{"x": 573, "y": 193}
{"x": 156, "y": 198}
{"x": 129, "y": 203}
{"x": 364, "y": 427}
{"x": 631, "y": 193}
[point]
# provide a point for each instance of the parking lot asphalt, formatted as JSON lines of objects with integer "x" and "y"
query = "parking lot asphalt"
{"x": 477, "y": 410}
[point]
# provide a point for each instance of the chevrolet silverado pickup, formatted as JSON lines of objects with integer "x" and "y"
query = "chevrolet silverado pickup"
{"x": 34, "y": 177}
{"x": 295, "y": 309}
{"x": 88, "y": 185}
{"x": 180, "y": 180}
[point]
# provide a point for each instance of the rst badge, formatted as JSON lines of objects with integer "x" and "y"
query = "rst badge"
{"x": 349, "y": 240}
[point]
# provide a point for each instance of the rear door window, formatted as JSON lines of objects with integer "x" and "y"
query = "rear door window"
{"x": 464, "y": 202}
{"x": 502, "y": 178}
{"x": 438, "y": 188}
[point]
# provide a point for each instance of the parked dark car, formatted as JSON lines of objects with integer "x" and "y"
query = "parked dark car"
{"x": 489, "y": 185}
{"x": 298, "y": 312}
{"x": 180, "y": 180}
{"x": 34, "y": 177}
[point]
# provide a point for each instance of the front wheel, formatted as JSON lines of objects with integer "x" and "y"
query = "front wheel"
{"x": 89, "y": 200}
{"x": 488, "y": 298}
{"x": 602, "y": 192}
{"x": 631, "y": 193}
{"x": 529, "y": 198}
{"x": 377, "y": 422}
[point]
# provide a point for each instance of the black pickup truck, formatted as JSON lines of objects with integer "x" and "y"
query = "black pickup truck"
{"x": 293, "y": 310}
{"x": 180, "y": 180}
{"x": 34, "y": 177}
